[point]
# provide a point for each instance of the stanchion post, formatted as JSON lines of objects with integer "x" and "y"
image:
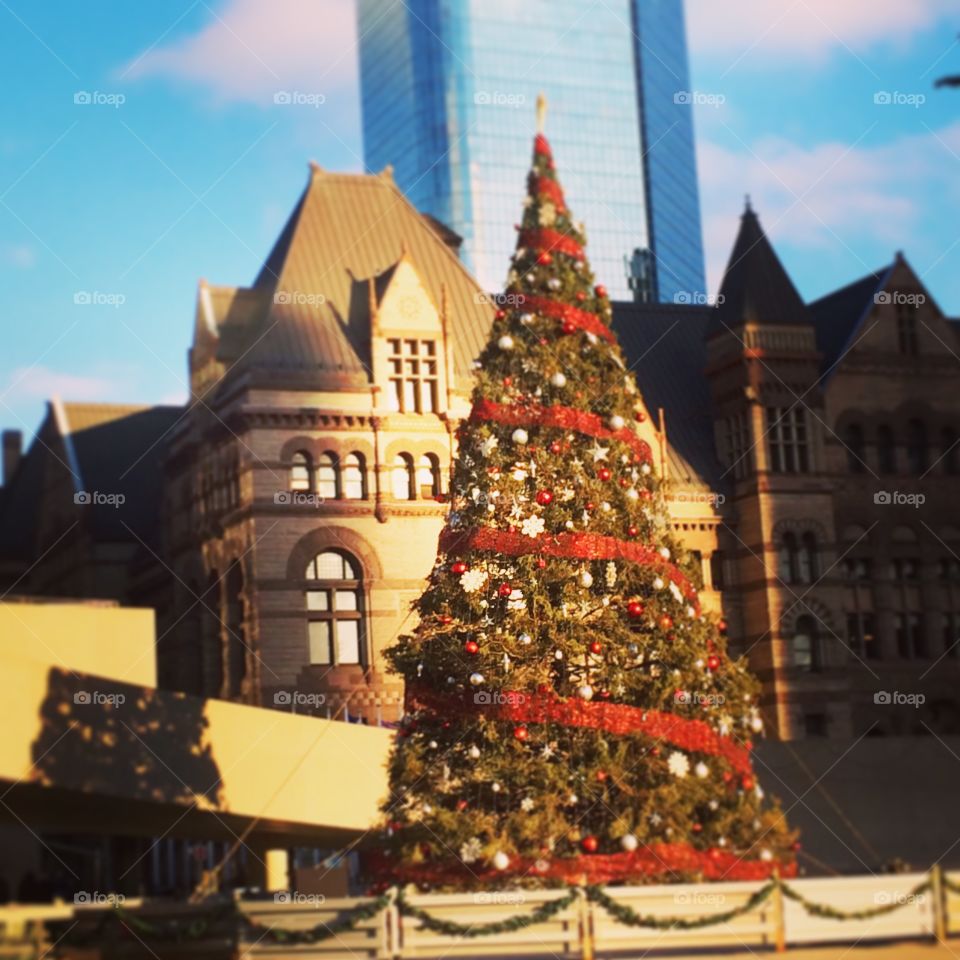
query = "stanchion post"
{"x": 586, "y": 928}
{"x": 779, "y": 921}
{"x": 939, "y": 903}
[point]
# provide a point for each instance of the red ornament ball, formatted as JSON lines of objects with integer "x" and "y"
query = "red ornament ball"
{"x": 590, "y": 844}
{"x": 727, "y": 776}
{"x": 596, "y": 646}
{"x": 601, "y": 776}
{"x": 589, "y": 505}
{"x": 458, "y": 567}
{"x": 697, "y": 827}
{"x": 541, "y": 563}
{"x": 521, "y": 733}
{"x": 666, "y": 622}
{"x": 461, "y": 805}
{"x": 504, "y": 589}
{"x": 445, "y": 618}
{"x": 713, "y": 662}
{"x": 722, "y": 626}
{"x": 569, "y": 327}
{"x": 747, "y": 783}
{"x": 632, "y": 532}
{"x": 581, "y": 296}
{"x": 600, "y": 290}
{"x": 635, "y": 608}
{"x": 500, "y": 314}
{"x": 604, "y": 473}
{"x": 508, "y": 381}
{"x": 639, "y": 416}
{"x": 556, "y": 447}
{"x": 544, "y": 498}
{"x": 544, "y": 259}
{"x": 471, "y": 646}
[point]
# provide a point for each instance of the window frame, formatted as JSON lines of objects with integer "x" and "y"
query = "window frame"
{"x": 413, "y": 377}
{"x": 330, "y": 613}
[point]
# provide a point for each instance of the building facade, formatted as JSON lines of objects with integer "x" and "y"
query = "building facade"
{"x": 448, "y": 91}
{"x": 282, "y": 522}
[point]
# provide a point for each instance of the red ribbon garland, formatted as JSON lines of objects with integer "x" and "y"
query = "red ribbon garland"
{"x": 551, "y": 241}
{"x": 657, "y": 859}
{"x": 550, "y": 189}
{"x": 582, "y": 546}
{"x": 563, "y": 418}
{"x": 616, "y": 718}
{"x": 566, "y": 313}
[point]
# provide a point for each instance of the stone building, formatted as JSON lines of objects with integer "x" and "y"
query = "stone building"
{"x": 281, "y": 523}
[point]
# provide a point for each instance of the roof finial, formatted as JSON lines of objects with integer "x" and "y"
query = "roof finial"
{"x": 748, "y": 207}
{"x": 541, "y": 112}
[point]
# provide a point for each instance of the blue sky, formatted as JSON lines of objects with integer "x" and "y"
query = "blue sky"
{"x": 129, "y": 203}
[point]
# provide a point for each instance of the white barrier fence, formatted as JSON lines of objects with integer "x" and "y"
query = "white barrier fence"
{"x": 650, "y": 919}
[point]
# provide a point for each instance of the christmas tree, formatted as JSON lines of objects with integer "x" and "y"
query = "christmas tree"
{"x": 572, "y": 714}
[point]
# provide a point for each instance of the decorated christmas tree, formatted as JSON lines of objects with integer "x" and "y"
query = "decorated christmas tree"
{"x": 572, "y": 713}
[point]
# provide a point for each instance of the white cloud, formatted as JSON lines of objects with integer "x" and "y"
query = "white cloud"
{"x": 22, "y": 256}
{"x": 807, "y": 29}
{"x": 251, "y": 49}
{"x": 41, "y": 383}
{"x": 848, "y": 198}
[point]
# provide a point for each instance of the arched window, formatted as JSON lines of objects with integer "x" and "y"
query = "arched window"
{"x": 809, "y": 563}
{"x": 916, "y": 447}
{"x": 328, "y": 476}
{"x": 401, "y": 477}
{"x": 856, "y": 454}
{"x": 886, "y": 450}
{"x": 334, "y": 599}
{"x": 787, "y": 560}
{"x": 354, "y": 477}
{"x": 428, "y": 477}
{"x": 300, "y": 470}
{"x": 236, "y": 632}
{"x": 950, "y": 451}
{"x": 806, "y": 645}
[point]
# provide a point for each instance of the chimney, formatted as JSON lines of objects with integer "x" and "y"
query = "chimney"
{"x": 12, "y": 449}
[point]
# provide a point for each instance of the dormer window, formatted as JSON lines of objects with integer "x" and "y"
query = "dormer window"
{"x": 413, "y": 375}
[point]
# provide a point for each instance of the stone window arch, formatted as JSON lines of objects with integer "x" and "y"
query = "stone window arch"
{"x": 402, "y": 477}
{"x": 334, "y": 597}
{"x": 353, "y": 477}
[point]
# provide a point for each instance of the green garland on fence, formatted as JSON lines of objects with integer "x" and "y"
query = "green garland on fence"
{"x": 346, "y": 920}
{"x": 517, "y": 922}
{"x": 627, "y": 915}
{"x": 831, "y": 913}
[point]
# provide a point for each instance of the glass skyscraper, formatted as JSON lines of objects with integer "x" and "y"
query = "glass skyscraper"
{"x": 448, "y": 91}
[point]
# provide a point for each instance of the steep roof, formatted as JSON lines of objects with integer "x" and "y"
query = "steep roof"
{"x": 665, "y": 346}
{"x": 299, "y": 316}
{"x": 119, "y": 448}
{"x": 755, "y": 285}
{"x": 838, "y": 315}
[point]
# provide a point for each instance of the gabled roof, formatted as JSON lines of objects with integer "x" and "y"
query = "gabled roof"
{"x": 344, "y": 229}
{"x": 755, "y": 287}
{"x": 665, "y": 347}
{"x": 838, "y": 315}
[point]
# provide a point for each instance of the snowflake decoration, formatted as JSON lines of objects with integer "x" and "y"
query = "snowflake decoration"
{"x": 678, "y": 764}
{"x": 527, "y": 804}
{"x": 471, "y": 850}
{"x": 547, "y": 216}
{"x": 701, "y": 770}
{"x": 489, "y": 445}
{"x": 473, "y": 580}
{"x": 533, "y": 526}
{"x": 610, "y": 573}
{"x": 656, "y": 819}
